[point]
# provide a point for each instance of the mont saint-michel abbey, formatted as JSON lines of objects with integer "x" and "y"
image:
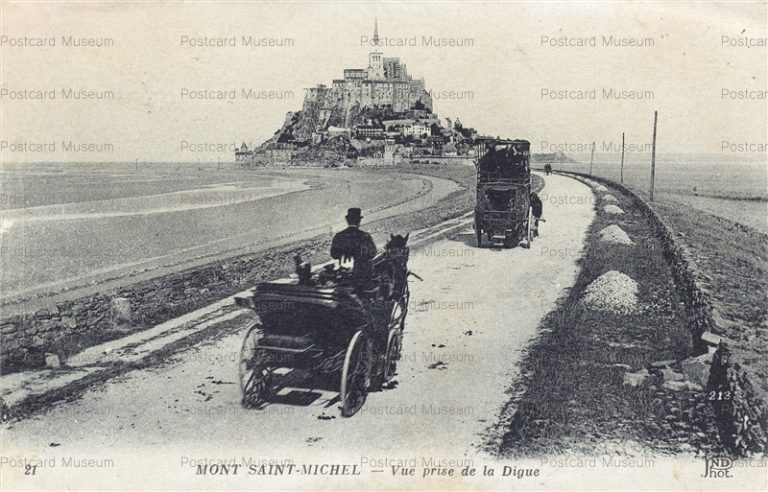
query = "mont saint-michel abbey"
{"x": 384, "y": 84}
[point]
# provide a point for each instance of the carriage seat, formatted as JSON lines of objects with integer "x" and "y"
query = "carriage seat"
{"x": 287, "y": 343}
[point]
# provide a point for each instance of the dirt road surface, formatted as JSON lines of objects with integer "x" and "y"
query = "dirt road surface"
{"x": 469, "y": 322}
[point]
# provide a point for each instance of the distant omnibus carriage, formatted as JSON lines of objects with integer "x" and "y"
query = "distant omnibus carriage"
{"x": 503, "y": 211}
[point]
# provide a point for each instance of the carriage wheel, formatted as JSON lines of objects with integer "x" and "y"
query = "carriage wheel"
{"x": 394, "y": 346}
{"x": 397, "y": 314}
{"x": 355, "y": 375}
{"x": 394, "y": 340}
{"x": 255, "y": 370}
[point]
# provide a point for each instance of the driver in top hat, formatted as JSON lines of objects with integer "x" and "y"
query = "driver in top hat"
{"x": 355, "y": 244}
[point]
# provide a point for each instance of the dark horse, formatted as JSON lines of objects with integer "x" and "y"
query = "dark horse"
{"x": 391, "y": 274}
{"x": 392, "y": 265}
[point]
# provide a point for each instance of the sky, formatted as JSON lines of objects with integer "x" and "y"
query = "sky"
{"x": 516, "y": 71}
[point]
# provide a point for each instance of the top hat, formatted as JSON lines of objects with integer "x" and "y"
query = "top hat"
{"x": 353, "y": 214}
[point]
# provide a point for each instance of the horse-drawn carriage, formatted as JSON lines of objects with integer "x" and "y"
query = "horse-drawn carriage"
{"x": 502, "y": 211}
{"x": 329, "y": 325}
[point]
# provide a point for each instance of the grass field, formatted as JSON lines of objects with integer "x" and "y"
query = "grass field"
{"x": 734, "y": 264}
{"x": 573, "y": 397}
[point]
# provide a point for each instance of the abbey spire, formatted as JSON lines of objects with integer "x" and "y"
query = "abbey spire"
{"x": 376, "y": 31}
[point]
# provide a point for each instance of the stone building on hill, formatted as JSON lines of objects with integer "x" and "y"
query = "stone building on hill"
{"x": 384, "y": 84}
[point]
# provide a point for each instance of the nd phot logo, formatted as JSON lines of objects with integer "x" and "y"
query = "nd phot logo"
{"x": 717, "y": 467}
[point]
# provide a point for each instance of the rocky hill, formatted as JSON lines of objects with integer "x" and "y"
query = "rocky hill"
{"x": 315, "y": 117}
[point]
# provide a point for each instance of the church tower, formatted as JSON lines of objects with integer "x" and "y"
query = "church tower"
{"x": 375, "y": 65}
{"x": 375, "y": 58}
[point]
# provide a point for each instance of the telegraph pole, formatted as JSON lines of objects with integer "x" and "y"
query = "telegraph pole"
{"x": 592, "y": 159}
{"x": 622, "y": 157}
{"x": 653, "y": 153}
